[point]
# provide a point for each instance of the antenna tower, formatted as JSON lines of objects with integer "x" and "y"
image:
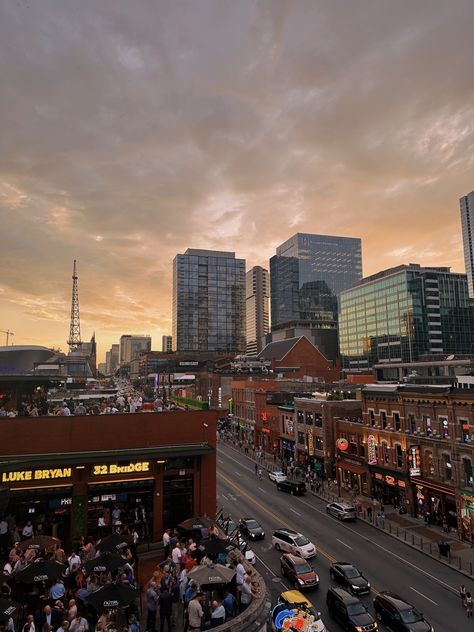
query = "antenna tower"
{"x": 74, "y": 341}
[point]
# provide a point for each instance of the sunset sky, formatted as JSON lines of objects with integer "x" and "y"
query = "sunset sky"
{"x": 132, "y": 130}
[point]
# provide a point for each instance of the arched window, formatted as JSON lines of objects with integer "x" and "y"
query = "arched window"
{"x": 385, "y": 453}
{"x": 398, "y": 455}
{"x": 467, "y": 471}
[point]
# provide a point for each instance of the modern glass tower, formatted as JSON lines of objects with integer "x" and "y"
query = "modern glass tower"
{"x": 400, "y": 314}
{"x": 208, "y": 302}
{"x": 257, "y": 308}
{"x": 308, "y": 273}
{"x": 467, "y": 222}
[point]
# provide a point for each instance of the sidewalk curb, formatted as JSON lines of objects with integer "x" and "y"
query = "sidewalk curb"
{"x": 368, "y": 522}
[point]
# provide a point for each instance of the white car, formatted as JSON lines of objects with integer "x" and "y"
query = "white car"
{"x": 293, "y": 542}
{"x": 277, "y": 476}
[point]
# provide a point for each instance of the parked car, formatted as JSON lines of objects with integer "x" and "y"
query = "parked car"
{"x": 294, "y": 599}
{"x": 350, "y": 577}
{"x": 399, "y": 614}
{"x": 342, "y": 511}
{"x": 247, "y": 551}
{"x": 251, "y": 528}
{"x": 277, "y": 476}
{"x": 298, "y": 571}
{"x": 298, "y": 488}
{"x": 293, "y": 542}
{"x": 349, "y": 611}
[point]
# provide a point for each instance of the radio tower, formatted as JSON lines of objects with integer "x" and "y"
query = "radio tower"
{"x": 74, "y": 341}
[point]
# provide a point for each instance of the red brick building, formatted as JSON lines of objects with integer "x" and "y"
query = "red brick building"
{"x": 68, "y": 471}
{"x": 297, "y": 357}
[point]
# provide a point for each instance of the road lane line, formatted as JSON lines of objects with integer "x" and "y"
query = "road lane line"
{"x": 238, "y": 474}
{"x": 262, "y": 490}
{"x": 224, "y": 496}
{"x": 422, "y": 595}
{"x": 295, "y": 512}
{"x": 270, "y": 513}
{"x": 220, "y": 460}
{"x": 344, "y": 544}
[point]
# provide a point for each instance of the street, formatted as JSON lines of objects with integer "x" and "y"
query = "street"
{"x": 388, "y": 564}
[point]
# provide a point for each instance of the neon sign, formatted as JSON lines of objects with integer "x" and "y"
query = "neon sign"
{"x": 36, "y": 475}
{"x": 342, "y": 444}
{"x": 113, "y": 468}
{"x": 371, "y": 450}
{"x": 414, "y": 460}
{"x": 287, "y": 619}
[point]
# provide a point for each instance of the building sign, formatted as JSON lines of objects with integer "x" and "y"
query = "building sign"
{"x": 36, "y": 475}
{"x": 342, "y": 444}
{"x": 390, "y": 480}
{"x": 113, "y": 468}
{"x": 310, "y": 442}
{"x": 264, "y": 415}
{"x": 193, "y": 363}
{"x": 414, "y": 460}
{"x": 371, "y": 450}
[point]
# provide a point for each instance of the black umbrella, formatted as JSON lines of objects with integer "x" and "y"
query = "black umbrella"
{"x": 215, "y": 547}
{"x": 104, "y": 563}
{"x": 217, "y": 574}
{"x": 112, "y": 596}
{"x": 199, "y": 522}
{"x": 7, "y": 608}
{"x": 39, "y": 542}
{"x": 42, "y": 571}
{"x": 113, "y": 543}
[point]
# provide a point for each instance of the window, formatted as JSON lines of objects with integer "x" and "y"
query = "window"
{"x": 385, "y": 454}
{"x": 301, "y": 438}
{"x": 300, "y": 416}
{"x": 383, "y": 418}
{"x": 399, "y": 455}
{"x": 318, "y": 443}
{"x": 309, "y": 418}
{"x": 467, "y": 469}
{"x": 429, "y": 463}
{"x": 396, "y": 420}
{"x": 371, "y": 417}
{"x": 444, "y": 427}
{"x": 448, "y": 467}
{"x": 318, "y": 420}
{"x": 464, "y": 424}
{"x": 427, "y": 426}
{"x": 412, "y": 422}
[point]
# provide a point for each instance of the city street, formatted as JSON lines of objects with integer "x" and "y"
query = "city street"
{"x": 388, "y": 564}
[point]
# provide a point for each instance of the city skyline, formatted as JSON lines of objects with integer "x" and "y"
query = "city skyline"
{"x": 129, "y": 136}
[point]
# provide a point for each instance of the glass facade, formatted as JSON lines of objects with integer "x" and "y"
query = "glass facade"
{"x": 308, "y": 273}
{"x": 403, "y": 313}
{"x": 257, "y": 308}
{"x": 209, "y": 302}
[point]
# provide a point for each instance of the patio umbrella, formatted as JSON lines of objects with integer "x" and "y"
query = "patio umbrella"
{"x": 113, "y": 543}
{"x": 217, "y": 574}
{"x": 104, "y": 563}
{"x": 42, "y": 571}
{"x": 112, "y": 596}
{"x": 39, "y": 542}
{"x": 7, "y": 608}
{"x": 215, "y": 547}
{"x": 199, "y": 522}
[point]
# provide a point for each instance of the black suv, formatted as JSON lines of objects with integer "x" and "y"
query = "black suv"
{"x": 399, "y": 615}
{"x": 349, "y": 577}
{"x": 349, "y": 611}
{"x": 298, "y": 488}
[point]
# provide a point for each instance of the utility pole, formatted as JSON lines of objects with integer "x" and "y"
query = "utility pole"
{"x": 74, "y": 341}
{"x": 8, "y": 334}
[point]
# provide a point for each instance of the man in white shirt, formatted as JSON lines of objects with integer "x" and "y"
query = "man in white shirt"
{"x": 176, "y": 554}
{"x": 27, "y": 530}
{"x": 74, "y": 561}
{"x": 78, "y": 623}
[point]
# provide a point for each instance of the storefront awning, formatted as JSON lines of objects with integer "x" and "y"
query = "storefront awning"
{"x": 422, "y": 482}
{"x": 352, "y": 467}
{"x": 71, "y": 458}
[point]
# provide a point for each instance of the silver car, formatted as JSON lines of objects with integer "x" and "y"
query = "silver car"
{"x": 342, "y": 511}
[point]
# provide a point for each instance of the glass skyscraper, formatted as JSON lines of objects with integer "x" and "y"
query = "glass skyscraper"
{"x": 467, "y": 222}
{"x": 308, "y": 273}
{"x": 209, "y": 302}
{"x": 400, "y": 314}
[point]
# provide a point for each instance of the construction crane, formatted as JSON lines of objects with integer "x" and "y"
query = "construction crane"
{"x": 8, "y": 334}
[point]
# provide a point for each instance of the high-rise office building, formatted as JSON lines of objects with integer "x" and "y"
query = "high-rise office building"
{"x": 208, "y": 302}
{"x": 467, "y": 223}
{"x": 400, "y": 314}
{"x": 167, "y": 344}
{"x": 131, "y": 346}
{"x": 114, "y": 357}
{"x": 308, "y": 273}
{"x": 257, "y": 303}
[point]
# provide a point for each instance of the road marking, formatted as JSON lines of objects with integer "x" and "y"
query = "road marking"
{"x": 295, "y": 512}
{"x": 422, "y": 595}
{"x": 269, "y": 512}
{"x": 220, "y": 460}
{"x": 224, "y": 496}
{"x": 262, "y": 490}
{"x": 271, "y": 572}
{"x": 238, "y": 474}
{"x": 344, "y": 544}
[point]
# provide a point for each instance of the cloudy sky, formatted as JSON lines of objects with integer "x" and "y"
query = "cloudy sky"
{"x": 133, "y": 130}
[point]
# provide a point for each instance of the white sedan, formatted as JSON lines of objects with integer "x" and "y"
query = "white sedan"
{"x": 277, "y": 476}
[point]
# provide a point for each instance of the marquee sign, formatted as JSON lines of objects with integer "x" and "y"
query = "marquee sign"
{"x": 414, "y": 460}
{"x": 371, "y": 450}
{"x": 36, "y": 475}
{"x": 114, "y": 468}
{"x": 310, "y": 442}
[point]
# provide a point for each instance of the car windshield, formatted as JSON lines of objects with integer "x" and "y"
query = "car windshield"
{"x": 410, "y": 616}
{"x": 303, "y": 568}
{"x": 252, "y": 524}
{"x": 351, "y": 573}
{"x": 355, "y": 608}
{"x": 300, "y": 540}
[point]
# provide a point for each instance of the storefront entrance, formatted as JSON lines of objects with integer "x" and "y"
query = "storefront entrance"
{"x": 178, "y": 496}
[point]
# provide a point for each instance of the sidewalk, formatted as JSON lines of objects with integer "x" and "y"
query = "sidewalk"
{"x": 412, "y": 531}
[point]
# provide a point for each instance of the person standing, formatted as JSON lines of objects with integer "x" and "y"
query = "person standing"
{"x": 468, "y": 604}
{"x": 151, "y": 606}
{"x": 166, "y": 542}
{"x": 166, "y": 607}
{"x": 195, "y": 612}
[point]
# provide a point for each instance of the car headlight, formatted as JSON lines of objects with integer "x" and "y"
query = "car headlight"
{"x": 354, "y": 587}
{"x": 263, "y": 533}
{"x": 368, "y": 584}
{"x": 300, "y": 582}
